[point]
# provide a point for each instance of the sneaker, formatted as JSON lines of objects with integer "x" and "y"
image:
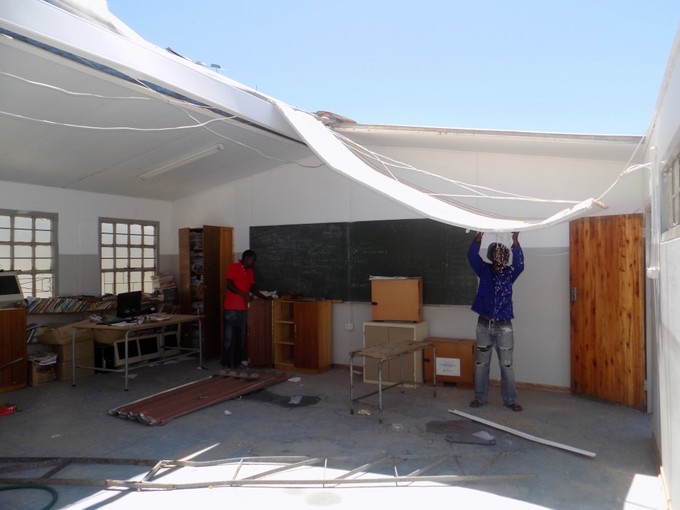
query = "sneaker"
{"x": 244, "y": 363}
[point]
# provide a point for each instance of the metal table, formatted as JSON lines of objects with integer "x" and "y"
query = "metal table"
{"x": 384, "y": 353}
{"x": 129, "y": 329}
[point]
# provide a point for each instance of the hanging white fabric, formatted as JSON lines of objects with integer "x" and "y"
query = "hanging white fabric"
{"x": 339, "y": 158}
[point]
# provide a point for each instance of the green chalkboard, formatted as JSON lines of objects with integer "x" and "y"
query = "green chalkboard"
{"x": 310, "y": 260}
{"x": 435, "y": 251}
{"x": 335, "y": 260}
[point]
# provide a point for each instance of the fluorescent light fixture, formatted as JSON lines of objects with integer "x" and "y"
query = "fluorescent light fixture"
{"x": 184, "y": 160}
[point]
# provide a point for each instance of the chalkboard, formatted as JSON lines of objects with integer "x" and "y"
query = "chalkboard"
{"x": 435, "y": 251}
{"x": 310, "y": 260}
{"x": 335, "y": 260}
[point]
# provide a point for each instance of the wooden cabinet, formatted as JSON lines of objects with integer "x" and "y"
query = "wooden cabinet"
{"x": 13, "y": 351}
{"x": 382, "y": 333}
{"x": 455, "y": 361}
{"x": 259, "y": 346}
{"x": 204, "y": 255}
{"x": 302, "y": 335}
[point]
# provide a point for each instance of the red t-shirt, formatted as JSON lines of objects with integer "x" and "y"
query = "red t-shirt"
{"x": 243, "y": 278}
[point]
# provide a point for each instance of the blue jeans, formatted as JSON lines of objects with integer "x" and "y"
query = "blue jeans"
{"x": 235, "y": 323}
{"x": 494, "y": 335}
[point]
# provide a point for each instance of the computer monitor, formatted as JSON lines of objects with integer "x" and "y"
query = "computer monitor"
{"x": 129, "y": 304}
{"x": 10, "y": 289}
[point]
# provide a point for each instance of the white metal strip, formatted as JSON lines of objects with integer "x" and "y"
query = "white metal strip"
{"x": 523, "y": 434}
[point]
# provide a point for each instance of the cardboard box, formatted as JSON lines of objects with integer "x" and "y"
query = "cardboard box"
{"x": 84, "y": 349}
{"x": 60, "y": 334}
{"x": 38, "y": 375}
{"x": 455, "y": 361}
{"x": 107, "y": 336}
{"x": 58, "y": 338}
{"x": 64, "y": 369}
{"x": 397, "y": 299}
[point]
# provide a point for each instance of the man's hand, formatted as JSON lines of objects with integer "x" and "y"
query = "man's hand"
{"x": 478, "y": 237}
{"x": 515, "y": 238}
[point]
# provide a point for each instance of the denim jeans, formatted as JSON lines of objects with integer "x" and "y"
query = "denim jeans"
{"x": 496, "y": 335}
{"x": 235, "y": 323}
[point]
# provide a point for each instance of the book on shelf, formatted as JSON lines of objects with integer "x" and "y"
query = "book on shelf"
{"x": 66, "y": 304}
{"x": 163, "y": 281}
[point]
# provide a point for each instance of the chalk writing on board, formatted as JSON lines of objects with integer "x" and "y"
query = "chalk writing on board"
{"x": 336, "y": 260}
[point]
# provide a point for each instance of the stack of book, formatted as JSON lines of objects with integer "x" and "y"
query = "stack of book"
{"x": 44, "y": 360}
{"x": 164, "y": 287}
{"x": 68, "y": 304}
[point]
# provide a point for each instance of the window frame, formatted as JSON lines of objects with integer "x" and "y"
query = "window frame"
{"x": 29, "y": 286}
{"x": 121, "y": 269}
{"x": 671, "y": 174}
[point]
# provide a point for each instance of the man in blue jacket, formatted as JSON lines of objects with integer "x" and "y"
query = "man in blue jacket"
{"x": 493, "y": 303}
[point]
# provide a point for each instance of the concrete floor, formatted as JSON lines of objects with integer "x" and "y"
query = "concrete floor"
{"x": 58, "y": 420}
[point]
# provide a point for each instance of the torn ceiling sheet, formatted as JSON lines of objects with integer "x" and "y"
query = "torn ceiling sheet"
{"x": 323, "y": 142}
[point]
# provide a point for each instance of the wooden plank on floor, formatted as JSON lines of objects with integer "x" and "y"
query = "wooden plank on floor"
{"x": 161, "y": 408}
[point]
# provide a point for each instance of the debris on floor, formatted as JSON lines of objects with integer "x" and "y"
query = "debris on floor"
{"x": 161, "y": 408}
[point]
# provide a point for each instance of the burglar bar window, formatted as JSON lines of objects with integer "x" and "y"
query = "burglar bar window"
{"x": 128, "y": 254}
{"x": 672, "y": 175}
{"x": 28, "y": 243}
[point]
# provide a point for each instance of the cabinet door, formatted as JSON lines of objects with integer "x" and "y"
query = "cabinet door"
{"x": 306, "y": 354}
{"x": 259, "y": 346}
{"x": 401, "y": 335}
{"x": 388, "y": 333}
{"x": 373, "y": 335}
{"x": 13, "y": 349}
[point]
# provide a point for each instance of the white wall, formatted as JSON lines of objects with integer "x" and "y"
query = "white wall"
{"x": 293, "y": 194}
{"x": 297, "y": 194}
{"x": 664, "y": 330}
{"x": 78, "y": 227}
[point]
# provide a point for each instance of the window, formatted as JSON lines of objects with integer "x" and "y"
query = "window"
{"x": 28, "y": 243}
{"x": 672, "y": 175}
{"x": 129, "y": 255}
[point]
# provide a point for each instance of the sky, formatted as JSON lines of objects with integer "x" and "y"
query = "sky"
{"x": 568, "y": 66}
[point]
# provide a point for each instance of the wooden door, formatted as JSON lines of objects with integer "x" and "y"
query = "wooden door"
{"x": 606, "y": 263}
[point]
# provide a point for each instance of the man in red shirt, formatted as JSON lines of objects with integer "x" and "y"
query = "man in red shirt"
{"x": 240, "y": 290}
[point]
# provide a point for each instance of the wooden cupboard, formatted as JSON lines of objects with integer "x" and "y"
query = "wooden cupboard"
{"x": 455, "y": 361}
{"x": 13, "y": 350}
{"x": 204, "y": 256}
{"x": 302, "y": 334}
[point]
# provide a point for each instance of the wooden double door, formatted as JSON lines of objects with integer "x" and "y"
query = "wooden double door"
{"x": 607, "y": 280}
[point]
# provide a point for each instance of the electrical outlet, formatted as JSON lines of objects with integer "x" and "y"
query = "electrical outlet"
{"x": 349, "y": 326}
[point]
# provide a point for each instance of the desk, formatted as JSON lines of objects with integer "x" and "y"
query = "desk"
{"x": 132, "y": 327}
{"x": 384, "y": 353}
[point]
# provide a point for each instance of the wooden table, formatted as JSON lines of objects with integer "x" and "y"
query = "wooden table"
{"x": 384, "y": 353}
{"x": 130, "y": 328}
